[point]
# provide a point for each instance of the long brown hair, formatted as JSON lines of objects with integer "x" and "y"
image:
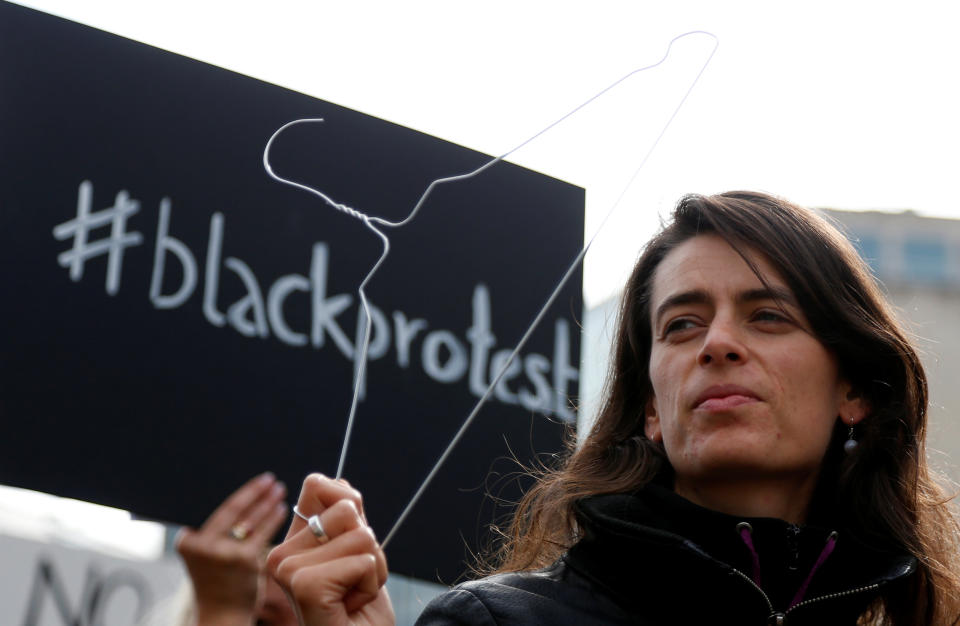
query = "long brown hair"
{"x": 885, "y": 492}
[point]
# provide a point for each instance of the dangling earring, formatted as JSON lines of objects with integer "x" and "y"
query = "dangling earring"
{"x": 850, "y": 445}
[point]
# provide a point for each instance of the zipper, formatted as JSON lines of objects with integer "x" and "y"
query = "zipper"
{"x": 793, "y": 546}
{"x": 755, "y": 586}
{"x": 831, "y": 596}
{"x": 776, "y": 617}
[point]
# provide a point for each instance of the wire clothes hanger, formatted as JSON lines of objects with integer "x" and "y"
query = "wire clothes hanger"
{"x": 375, "y": 224}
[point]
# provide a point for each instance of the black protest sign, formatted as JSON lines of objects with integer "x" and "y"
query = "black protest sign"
{"x": 176, "y": 321}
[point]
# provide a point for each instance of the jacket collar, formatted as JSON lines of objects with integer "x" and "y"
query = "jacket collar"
{"x": 657, "y": 538}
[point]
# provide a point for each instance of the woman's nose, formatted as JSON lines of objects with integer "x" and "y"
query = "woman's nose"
{"x": 722, "y": 344}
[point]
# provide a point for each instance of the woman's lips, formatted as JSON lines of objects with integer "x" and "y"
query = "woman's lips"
{"x": 724, "y": 397}
{"x": 725, "y": 403}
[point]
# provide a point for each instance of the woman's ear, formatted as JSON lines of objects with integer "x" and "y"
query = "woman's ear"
{"x": 853, "y": 406}
{"x": 651, "y": 421}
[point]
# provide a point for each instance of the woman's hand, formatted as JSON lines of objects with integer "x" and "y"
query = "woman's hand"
{"x": 225, "y": 556}
{"x": 336, "y": 579}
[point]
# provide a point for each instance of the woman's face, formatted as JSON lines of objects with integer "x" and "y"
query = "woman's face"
{"x": 741, "y": 386}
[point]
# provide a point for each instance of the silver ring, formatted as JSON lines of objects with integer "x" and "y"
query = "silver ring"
{"x": 297, "y": 512}
{"x": 313, "y": 523}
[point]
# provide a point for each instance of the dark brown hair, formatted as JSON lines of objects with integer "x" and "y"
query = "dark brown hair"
{"x": 885, "y": 493}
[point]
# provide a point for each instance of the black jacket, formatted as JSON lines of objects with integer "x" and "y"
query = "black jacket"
{"x": 655, "y": 558}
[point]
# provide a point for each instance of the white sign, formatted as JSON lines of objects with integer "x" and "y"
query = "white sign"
{"x": 46, "y": 584}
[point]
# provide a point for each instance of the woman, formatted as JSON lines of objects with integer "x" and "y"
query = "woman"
{"x": 759, "y": 457}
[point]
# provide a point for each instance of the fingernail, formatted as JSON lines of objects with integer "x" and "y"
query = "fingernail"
{"x": 266, "y": 477}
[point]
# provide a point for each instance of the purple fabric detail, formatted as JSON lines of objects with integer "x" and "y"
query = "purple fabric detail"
{"x": 748, "y": 540}
{"x": 827, "y": 549}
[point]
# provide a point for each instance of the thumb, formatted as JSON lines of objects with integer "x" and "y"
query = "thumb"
{"x": 184, "y": 539}
{"x": 328, "y": 592}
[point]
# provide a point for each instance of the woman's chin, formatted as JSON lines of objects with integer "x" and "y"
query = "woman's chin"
{"x": 743, "y": 456}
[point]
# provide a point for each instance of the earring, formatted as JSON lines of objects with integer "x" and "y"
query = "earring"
{"x": 850, "y": 445}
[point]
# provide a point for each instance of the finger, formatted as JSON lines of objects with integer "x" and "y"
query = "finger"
{"x": 232, "y": 509}
{"x": 269, "y": 526}
{"x": 262, "y": 509}
{"x": 318, "y": 494}
{"x": 347, "y": 484}
{"x": 322, "y": 590}
{"x": 337, "y": 520}
{"x": 357, "y": 541}
{"x": 364, "y": 592}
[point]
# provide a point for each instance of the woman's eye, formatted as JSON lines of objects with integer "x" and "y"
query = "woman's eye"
{"x": 678, "y": 325}
{"x": 767, "y": 315}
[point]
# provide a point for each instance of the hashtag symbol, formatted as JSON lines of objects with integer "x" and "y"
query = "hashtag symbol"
{"x": 113, "y": 246}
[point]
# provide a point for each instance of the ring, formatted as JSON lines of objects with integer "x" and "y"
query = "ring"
{"x": 239, "y": 531}
{"x": 313, "y": 523}
{"x": 317, "y": 529}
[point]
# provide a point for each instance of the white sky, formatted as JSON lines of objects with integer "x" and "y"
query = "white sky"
{"x": 850, "y": 105}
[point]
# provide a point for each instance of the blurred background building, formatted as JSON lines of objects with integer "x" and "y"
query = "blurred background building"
{"x": 917, "y": 261}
